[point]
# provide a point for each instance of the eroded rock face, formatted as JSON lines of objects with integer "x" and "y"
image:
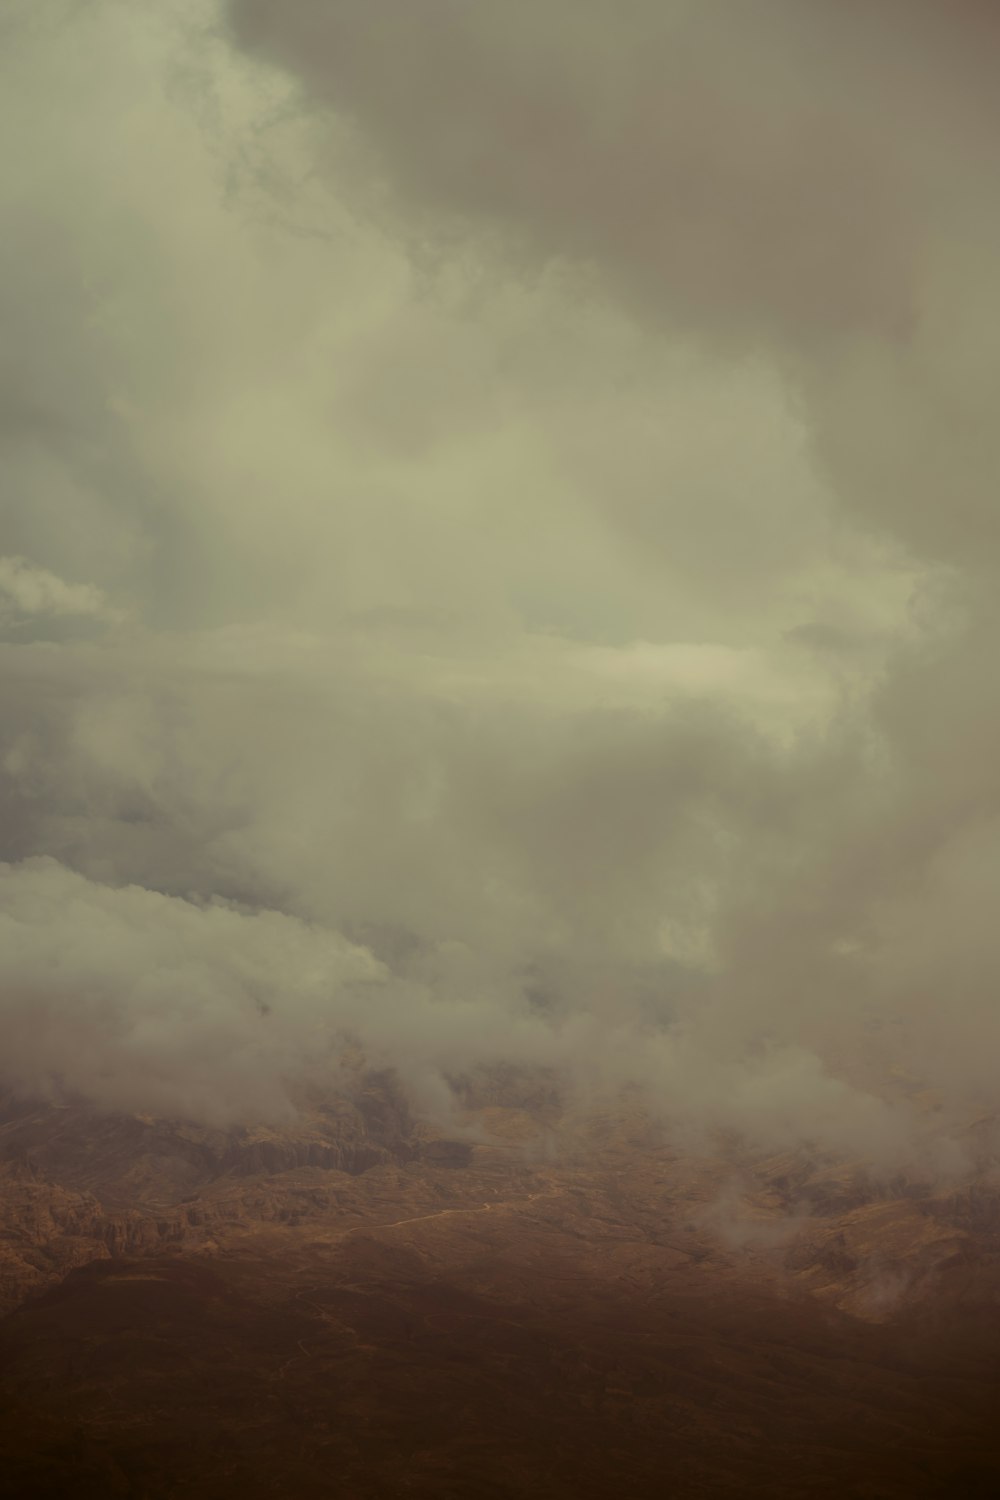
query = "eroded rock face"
{"x": 76, "y": 1186}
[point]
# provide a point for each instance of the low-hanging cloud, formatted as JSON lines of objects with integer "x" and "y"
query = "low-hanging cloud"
{"x": 26, "y": 591}
{"x": 499, "y": 556}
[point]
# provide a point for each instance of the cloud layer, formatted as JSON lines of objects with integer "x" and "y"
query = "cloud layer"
{"x": 500, "y": 535}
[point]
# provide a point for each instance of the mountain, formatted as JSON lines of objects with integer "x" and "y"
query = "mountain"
{"x": 543, "y": 1302}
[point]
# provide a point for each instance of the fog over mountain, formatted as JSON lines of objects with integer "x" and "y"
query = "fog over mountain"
{"x": 500, "y": 543}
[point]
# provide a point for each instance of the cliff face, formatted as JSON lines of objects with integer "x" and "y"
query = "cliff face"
{"x": 77, "y": 1186}
{"x": 128, "y": 1159}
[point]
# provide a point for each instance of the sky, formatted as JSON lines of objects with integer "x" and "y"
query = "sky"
{"x": 498, "y": 552}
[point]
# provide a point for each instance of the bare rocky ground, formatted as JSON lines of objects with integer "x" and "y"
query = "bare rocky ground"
{"x": 546, "y": 1303}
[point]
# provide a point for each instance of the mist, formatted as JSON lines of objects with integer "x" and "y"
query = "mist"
{"x": 498, "y": 563}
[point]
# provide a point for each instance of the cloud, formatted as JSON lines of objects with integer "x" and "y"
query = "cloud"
{"x": 141, "y": 1001}
{"x": 702, "y": 156}
{"x": 36, "y": 591}
{"x": 135, "y": 1000}
{"x": 809, "y": 180}
{"x": 542, "y": 460}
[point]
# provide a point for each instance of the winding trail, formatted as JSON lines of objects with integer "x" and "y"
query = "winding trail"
{"x": 444, "y": 1213}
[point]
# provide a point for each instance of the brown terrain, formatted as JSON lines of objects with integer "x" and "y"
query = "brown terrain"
{"x": 551, "y": 1303}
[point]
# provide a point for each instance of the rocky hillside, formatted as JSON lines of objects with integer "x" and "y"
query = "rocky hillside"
{"x": 540, "y": 1303}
